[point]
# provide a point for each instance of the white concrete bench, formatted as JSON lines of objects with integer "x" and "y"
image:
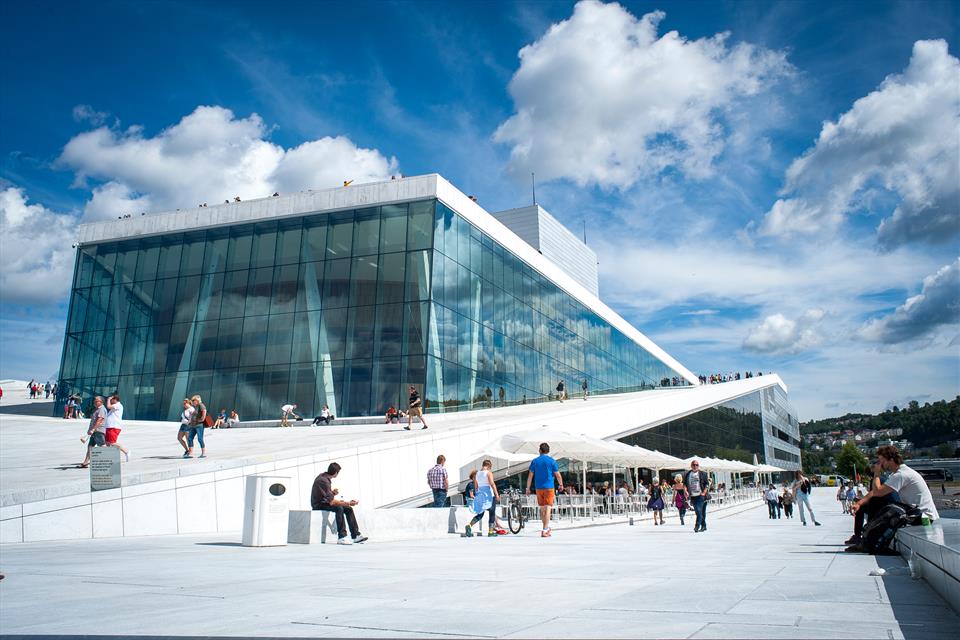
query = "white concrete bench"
{"x": 312, "y": 527}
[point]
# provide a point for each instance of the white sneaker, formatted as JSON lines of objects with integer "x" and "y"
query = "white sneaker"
{"x": 344, "y": 541}
{"x": 359, "y": 539}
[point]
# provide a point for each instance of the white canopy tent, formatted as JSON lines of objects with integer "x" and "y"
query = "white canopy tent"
{"x": 579, "y": 447}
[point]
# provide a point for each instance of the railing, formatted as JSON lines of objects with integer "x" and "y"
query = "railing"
{"x": 576, "y": 506}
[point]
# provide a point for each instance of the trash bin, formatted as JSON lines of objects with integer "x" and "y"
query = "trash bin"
{"x": 265, "y": 511}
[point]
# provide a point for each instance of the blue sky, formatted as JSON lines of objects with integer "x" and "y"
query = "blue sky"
{"x": 769, "y": 185}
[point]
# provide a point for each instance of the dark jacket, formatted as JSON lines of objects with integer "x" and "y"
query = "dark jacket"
{"x": 322, "y": 494}
{"x": 704, "y": 481}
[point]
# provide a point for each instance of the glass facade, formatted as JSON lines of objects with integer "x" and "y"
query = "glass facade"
{"x": 761, "y": 423}
{"x": 344, "y": 308}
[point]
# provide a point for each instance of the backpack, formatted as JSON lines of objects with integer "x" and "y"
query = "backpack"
{"x": 879, "y": 532}
{"x": 559, "y": 387}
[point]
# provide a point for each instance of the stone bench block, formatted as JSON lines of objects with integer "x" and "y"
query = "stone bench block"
{"x": 381, "y": 525}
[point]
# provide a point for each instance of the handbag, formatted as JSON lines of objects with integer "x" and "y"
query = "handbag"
{"x": 207, "y": 421}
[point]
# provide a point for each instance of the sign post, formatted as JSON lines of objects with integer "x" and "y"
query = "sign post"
{"x": 104, "y": 468}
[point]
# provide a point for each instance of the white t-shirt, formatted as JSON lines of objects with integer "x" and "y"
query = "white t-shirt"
{"x": 185, "y": 416}
{"x": 114, "y": 416}
{"x": 287, "y": 408}
{"x": 913, "y": 490}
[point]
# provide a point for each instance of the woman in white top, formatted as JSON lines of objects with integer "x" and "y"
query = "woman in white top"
{"x": 185, "y": 426}
{"x": 485, "y": 498}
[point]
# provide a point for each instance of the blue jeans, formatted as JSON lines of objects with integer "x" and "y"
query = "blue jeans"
{"x": 439, "y": 498}
{"x": 700, "y": 509}
{"x": 196, "y": 431}
{"x": 804, "y": 499}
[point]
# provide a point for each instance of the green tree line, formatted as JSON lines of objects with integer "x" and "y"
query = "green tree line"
{"x": 925, "y": 426}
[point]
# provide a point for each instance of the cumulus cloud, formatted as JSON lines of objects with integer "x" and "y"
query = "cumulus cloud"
{"x": 777, "y": 334}
{"x": 603, "y": 99}
{"x": 36, "y": 258}
{"x": 209, "y": 156}
{"x": 899, "y": 141}
{"x": 937, "y": 304}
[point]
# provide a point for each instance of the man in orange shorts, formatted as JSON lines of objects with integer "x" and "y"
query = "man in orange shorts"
{"x": 543, "y": 472}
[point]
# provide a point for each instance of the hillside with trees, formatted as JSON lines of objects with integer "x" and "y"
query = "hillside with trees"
{"x": 926, "y": 426}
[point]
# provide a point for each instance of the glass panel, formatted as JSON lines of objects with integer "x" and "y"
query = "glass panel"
{"x": 211, "y": 296}
{"x": 336, "y": 283}
{"x": 279, "y": 338}
{"x": 357, "y": 387}
{"x": 234, "y": 294}
{"x": 276, "y": 383}
{"x": 332, "y": 342}
{"x": 420, "y": 226}
{"x": 340, "y": 234}
{"x": 363, "y": 281}
{"x": 303, "y": 387}
{"x": 314, "y": 239}
{"x": 186, "y": 303}
{"x": 366, "y": 237}
{"x": 391, "y": 274}
{"x": 168, "y": 265}
{"x": 310, "y": 286}
{"x": 249, "y": 385}
{"x": 192, "y": 261}
{"x": 389, "y": 337}
{"x": 215, "y": 255}
{"x": 205, "y": 345}
{"x": 241, "y": 243}
{"x": 259, "y": 291}
{"x": 386, "y": 390}
{"x": 393, "y": 236}
{"x": 147, "y": 261}
{"x": 306, "y": 333}
{"x": 360, "y": 340}
{"x": 225, "y": 389}
{"x": 418, "y": 275}
{"x": 284, "y": 289}
{"x": 254, "y": 340}
{"x": 288, "y": 242}
{"x": 264, "y": 249}
{"x": 415, "y": 323}
{"x": 228, "y": 343}
{"x": 85, "y": 267}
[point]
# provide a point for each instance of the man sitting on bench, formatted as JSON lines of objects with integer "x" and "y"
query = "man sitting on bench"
{"x": 324, "y": 498}
{"x": 903, "y": 486}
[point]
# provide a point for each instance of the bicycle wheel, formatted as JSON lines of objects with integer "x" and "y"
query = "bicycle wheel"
{"x": 514, "y": 518}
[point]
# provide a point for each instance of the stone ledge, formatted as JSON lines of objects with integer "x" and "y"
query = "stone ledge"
{"x": 936, "y": 550}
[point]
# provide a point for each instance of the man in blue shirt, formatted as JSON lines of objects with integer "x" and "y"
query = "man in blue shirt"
{"x": 543, "y": 471}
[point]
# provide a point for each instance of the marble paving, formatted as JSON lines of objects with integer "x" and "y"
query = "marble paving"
{"x": 746, "y": 577}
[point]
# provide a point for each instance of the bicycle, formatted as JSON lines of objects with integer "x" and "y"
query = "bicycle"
{"x": 515, "y": 517}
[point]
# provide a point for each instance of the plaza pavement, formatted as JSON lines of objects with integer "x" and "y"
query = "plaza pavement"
{"x": 747, "y": 577}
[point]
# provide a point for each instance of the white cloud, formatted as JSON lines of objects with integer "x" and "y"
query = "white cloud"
{"x": 209, "y": 156}
{"x": 602, "y": 99}
{"x": 899, "y": 140}
{"x": 86, "y": 113}
{"x": 937, "y": 304}
{"x": 36, "y": 257}
{"x": 777, "y": 334}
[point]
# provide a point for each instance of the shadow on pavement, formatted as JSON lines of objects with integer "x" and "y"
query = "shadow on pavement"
{"x": 219, "y": 544}
{"x": 912, "y": 600}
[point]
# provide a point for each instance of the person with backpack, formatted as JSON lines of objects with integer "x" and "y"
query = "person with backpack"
{"x": 698, "y": 488}
{"x": 904, "y": 489}
{"x": 561, "y": 391}
{"x": 801, "y": 491}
